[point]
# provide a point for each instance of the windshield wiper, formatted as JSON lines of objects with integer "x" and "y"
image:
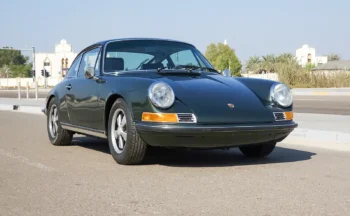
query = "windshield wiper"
{"x": 177, "y": 71}
{"x": 193, "y": 67}
{"x": 161, "y": 68}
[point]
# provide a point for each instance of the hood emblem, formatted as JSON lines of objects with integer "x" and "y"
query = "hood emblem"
{"x": 230, "y": 105}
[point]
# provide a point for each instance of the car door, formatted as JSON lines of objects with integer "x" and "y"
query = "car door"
{"x": 83, "y": 93}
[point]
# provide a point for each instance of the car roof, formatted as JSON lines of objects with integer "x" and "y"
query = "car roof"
{"x": 144, "y": 38}
{"x": 102, "y": 43}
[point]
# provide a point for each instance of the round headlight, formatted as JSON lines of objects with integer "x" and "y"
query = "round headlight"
{"x": 282, "y": 95}
{"x": 161, "y": 94}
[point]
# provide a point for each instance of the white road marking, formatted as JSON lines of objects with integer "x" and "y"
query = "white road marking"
{"x": 26, "y": 161}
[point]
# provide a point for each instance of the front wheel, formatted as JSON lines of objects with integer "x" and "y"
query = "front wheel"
{"x": 258, "y": 150}
{"x": 57, "y": 135}
{"x": 125, "y": 144}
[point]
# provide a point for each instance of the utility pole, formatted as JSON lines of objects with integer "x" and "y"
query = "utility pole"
{"x": 33, "y": 63}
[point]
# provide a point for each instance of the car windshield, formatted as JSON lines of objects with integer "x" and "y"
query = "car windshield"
{"x": 136, "y": 55}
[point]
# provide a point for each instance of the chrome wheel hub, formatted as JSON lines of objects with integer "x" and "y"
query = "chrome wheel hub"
{"x": 53, "y": 121}
{"x": 119, "y": 132}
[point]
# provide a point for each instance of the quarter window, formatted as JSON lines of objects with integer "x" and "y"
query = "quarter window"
{"x": 73, "y": 70}
{"x": 88, "y": 60}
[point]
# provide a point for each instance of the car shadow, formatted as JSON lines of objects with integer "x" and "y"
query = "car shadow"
{"x": 202, "y": 158}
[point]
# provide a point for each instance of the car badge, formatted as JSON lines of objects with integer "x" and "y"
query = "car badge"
{"x": 230, "y": 105}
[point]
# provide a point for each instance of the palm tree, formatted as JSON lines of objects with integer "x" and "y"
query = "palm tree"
{"x": 268, "y": 63}
{"x": 333, "y": 57}
{"x": 253, "y": 64}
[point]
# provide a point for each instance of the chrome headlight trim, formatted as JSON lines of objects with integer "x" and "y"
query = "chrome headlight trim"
{"x": 156, "y": 101}
{"x": 276, "y": 89}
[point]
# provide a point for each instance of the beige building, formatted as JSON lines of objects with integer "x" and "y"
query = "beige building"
{"x": 56, "y": 63}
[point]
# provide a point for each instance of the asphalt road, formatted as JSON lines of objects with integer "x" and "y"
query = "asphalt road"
{"x": 37, "y": 178}
{"x": 337, "y": 105}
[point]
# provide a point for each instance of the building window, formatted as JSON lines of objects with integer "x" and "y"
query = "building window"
{"x": 46, "y": 63}
{"x": 309, "y": 58}
{"x": 66, "y": 63}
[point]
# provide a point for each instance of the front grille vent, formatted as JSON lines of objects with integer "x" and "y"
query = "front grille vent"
{"x": 279, "y": 116}
{"x": 186, "y": 118}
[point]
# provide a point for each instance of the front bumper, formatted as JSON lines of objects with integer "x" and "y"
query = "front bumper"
{"x": 212, "y": 136}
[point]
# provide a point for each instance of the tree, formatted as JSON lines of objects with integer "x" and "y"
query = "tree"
{"x": 15, "y": 61}
{"x": 253, "y": 64}
{"x": 333, "y": 57}
{"x": 223, "y": 57}
{"x": 271, "y": 63}
{"x": 268, "y": 63}
{"x": 285, "y": 57}
{"x": 4, "y": 71}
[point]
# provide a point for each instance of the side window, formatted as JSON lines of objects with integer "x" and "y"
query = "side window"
{"x": 88, "y": 60}
{"x": 73, "y": 70}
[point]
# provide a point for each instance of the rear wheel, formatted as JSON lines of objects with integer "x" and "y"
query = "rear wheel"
{"x": 125, "y": 144}
{"x": 258, "y": 150}
{"x": 57, "y": 135}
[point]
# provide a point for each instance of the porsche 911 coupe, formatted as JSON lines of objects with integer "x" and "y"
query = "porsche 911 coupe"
{"x": 140, "y": 93}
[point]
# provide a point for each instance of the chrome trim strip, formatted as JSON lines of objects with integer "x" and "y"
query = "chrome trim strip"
{"x": 177, "y": 128}
{"x": 84, "y": 130}
{"x": 194, "y": 118}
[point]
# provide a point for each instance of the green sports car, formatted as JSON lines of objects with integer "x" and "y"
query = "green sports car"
{"x": 141, "y": 92}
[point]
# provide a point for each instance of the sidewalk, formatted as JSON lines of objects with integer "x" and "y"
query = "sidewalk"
{"x": 323, "y": 130}
{"x": 24, "y": 102}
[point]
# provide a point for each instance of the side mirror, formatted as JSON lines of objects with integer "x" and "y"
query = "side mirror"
{"x": 89, "y": 73}
{"x": 226, "y": 73}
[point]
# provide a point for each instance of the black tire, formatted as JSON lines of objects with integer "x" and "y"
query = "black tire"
{"x": 258, "y": 150}
{"x": 134, "y": 150}
{"x": 62, "y": 136}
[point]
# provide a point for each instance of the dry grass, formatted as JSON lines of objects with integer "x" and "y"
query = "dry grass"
{"x": 297, "y": 77}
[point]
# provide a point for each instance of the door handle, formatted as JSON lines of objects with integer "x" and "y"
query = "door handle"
{"x": 69, "y": 86}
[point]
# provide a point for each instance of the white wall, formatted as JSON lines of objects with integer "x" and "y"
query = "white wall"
{"x": 13, "y": 82}
{"x": 321, "y": 59}
{"x": 268, "y": 76}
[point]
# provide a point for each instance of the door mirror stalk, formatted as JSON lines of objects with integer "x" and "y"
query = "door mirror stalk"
{"x": 89, "y": 73}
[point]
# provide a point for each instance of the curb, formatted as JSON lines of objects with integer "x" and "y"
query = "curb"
{"x": 23, "y": 109}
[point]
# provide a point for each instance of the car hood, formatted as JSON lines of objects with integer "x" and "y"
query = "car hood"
{"x": 209, "y": 97}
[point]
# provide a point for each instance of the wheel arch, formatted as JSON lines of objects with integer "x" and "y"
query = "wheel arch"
{"x": 49, "y": 98}
{"x": 108, "y": 106}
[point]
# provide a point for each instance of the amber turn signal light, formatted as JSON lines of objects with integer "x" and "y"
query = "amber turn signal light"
{"x": 289, "y": 115}
{"x": 159, "y": 117}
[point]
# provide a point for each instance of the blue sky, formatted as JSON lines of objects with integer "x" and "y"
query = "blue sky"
{"x": 251, "y": 27}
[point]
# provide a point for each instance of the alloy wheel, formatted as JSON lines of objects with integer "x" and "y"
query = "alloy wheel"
{"x": 53, "y": 119}
{"x": 119, "y": 130}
